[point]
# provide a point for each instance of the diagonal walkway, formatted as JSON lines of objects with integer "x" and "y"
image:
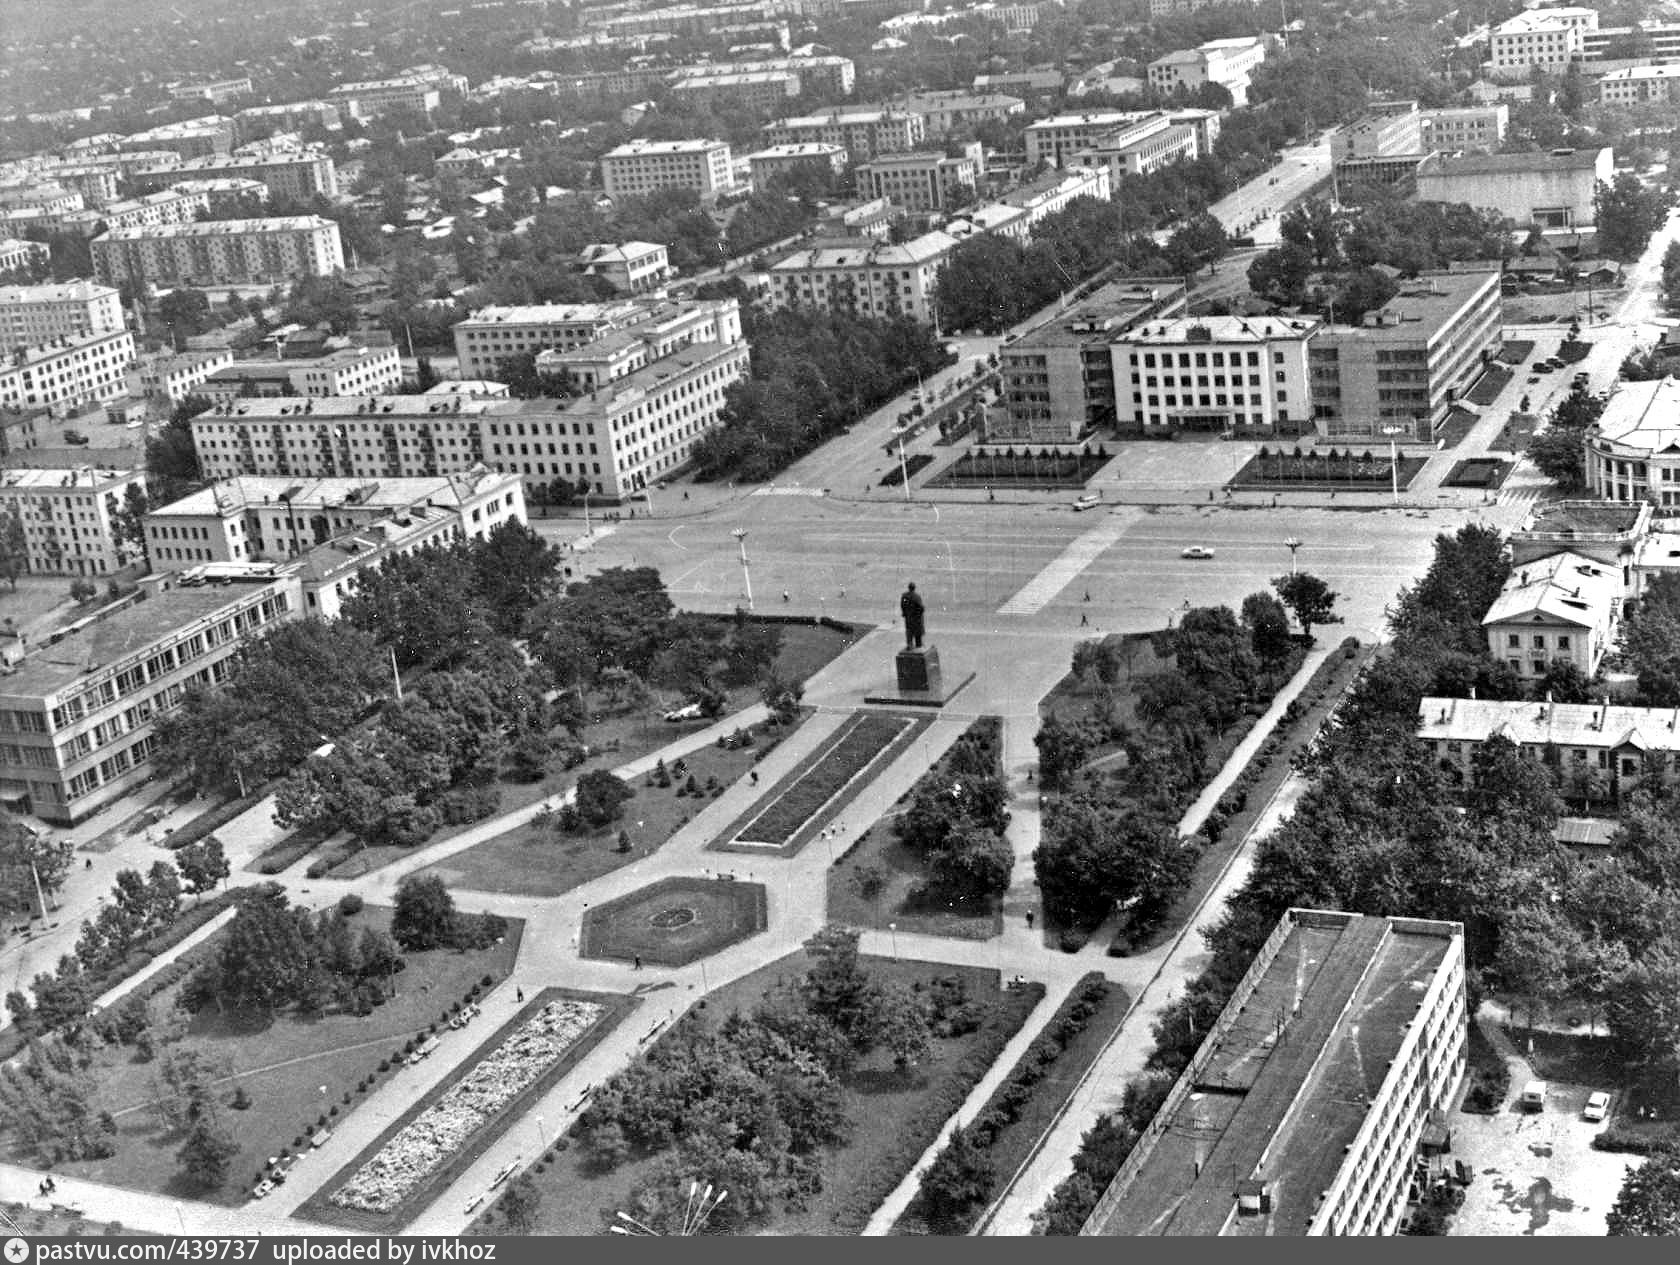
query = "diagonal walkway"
{"x": 1080, "y": 553}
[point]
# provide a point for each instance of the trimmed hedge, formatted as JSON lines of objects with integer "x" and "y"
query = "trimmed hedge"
{"x": 917, "y": 1135}
{"x": 213, "y": 819}
{"x": 1634, "y": 1140}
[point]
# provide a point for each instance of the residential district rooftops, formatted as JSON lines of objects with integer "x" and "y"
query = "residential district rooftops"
{"x": 1287, "y": 1085}
{"x": 800, "y": 149}
{"x": 1530, "y": 724}
{"x": 1552, "y": 19}
{"x": 549, "y": 314}
{"x": 1643, "y": 415}
{"x": 1566, "y": 588}
{"x": 1511, "y": 164}
{"x": 1423, "y": 308}
{"x": 1640, "y": 73}
{"x": 324, "y": 408}
{"x": 105, "y": 641}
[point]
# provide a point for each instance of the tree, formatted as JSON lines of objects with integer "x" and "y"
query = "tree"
{"x": 203, "y": 865}
{"x": 208, "y": 1152}
{"x": 24, "y": 857}
{"x": 958, "y": 1182}
{"x": 129, "y": 526}
{"x": 1312, "y": 227}
{"x": 1560, "y": 455}
{"x": 14, "y": 546}
{"x": 1268, "y": 627}
{"x": 1643, "y": 1009}
{"x": 973, "y": 864}
{"x": 837, "y": 989}
{"x": 424, "y": 916}
{"x": 1281, "y": 274}
{"x": 1062, "y": 747}
{"x": 601, "y": 797}
{"x": 1309, "y": 597}
{"x": 519, "y": 1205}
{"x": 1649, "y": 1202}
{"x": 901, "y": 1026}
{"x": 1627, "y": 215}
{"x": 185, "y": 312}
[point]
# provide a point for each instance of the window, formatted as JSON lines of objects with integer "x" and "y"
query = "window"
{"x": 1539, "y": 642}
{"x": 1563, "y": 641}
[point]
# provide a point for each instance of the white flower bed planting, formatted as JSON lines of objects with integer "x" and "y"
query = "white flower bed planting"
{"x": 440, "y": 1132}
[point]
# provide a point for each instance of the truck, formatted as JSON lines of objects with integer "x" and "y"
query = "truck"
{"x": 1533, "y": 1096}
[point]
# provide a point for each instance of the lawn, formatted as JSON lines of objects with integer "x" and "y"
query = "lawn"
{"x": 539, "y": 860}
{"x": 1077, "y": 700}
{"x": 786, "y": 817}
{"x": 1478, "y": 472}
{"x": 905, "y": 874}
{"x": 1487, "y": 387}
{"x": 614, "y": 741}
{"x": 1328, "y": 470}
{"x": 319, "y": 1207}
{"x": 281, "y": 1063}
{"x": 54, "y": 1223}
{"x": 1513, "y": 437}
{"x": 675, "y": 921}
{"x": 1023, "y": 469}
{"x": 894, "y": 1117}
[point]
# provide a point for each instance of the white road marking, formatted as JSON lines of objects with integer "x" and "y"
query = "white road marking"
{"x": 1080, "y": 553}
{"x": 786, "y": 492}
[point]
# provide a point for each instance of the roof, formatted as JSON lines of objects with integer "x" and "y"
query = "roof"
{"x": 642, "y": 146}
{"x": 1423, "y": 308}
{"x": 798, "y": 149}
{"x": 1643, "y": 415}
{"x": 1097, "y": 118}
{"x": 63, "y": 345}
{"x": 319, "y": 408}
{"x": 1283, "y": 1112}
{"x": 868, "y": 253}
{"x": 78, "y": 291}
{"x": 77, "y": 478}
{"x": 1565, "y": 588}
{"x": 1589, "y": 832}
{"x": 214, "y": 228}
{"x": 1513, "y": 164}
{"x": 1221, "y": 329}
{"x": 1543, "y": 20}
{"x": 1104, "y": 316}
{"x": 549, "y": 314}
{"x": 1587, "y": 518}
{"x": 1530, "y": 724}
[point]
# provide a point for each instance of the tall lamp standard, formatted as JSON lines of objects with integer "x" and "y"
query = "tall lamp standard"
{"x": 586, "y": 492}
{"x": 1394, "y": 458}
{"x": 740, "y": 534}
{"x": 1292, "y": 544}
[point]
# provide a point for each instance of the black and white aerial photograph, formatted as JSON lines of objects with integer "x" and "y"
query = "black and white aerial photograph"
{"x": 730, "y": 618}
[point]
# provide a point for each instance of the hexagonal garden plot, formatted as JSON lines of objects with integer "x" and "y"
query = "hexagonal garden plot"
{"x": 675, "y": 921}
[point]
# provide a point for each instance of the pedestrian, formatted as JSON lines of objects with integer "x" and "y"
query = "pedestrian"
{"x": 754, "y": 776}
{"x": 89, "y": 863}
{"x": 1087, "y": 595}
{"x": 784, "y": 595}
{"x": 1029, "y": 919}
{"x": 519, "y": 994}
{"x": 638, "y": 961}
{"x": 1084, "y": 620}
{"x": 1186, "y": 603}
{"x": 685, "y": 495}
{"x": 1210, "y": 494}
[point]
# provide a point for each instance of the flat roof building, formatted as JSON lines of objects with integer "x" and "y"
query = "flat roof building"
{"x": 629, "y": 267}
{"x": 923, "y": 180}
{"x": 944, "y": 112}
{"x": 35, "y": 314}
{"x": 1548, "y": 39}
{"x": 1229, "y": 63}
{"x": 776, "y": 160}
{"x": 1056, "y": 139}
{"x": 865, "y": 276}
{"x": 864, "y": 134}
{"x": 639, "y": 167}
{"x": 69, "y": 517}
{"x": 1554, "y": 189}
{"x": 1305, "y": 1109}
{"x": 351, "y": 371}
{"x": 68, "y": 372}
{"x": 490, "y": 335}
{"x": 220, "y": 252}
{"x": 761, "y": 91}
{"x": 175, "y": 377}
{"x": 298, "y": 174}
{"x": 1138, "y": 148}
{"x": 190, "y": 138}
{"x": 1214, "y": 374}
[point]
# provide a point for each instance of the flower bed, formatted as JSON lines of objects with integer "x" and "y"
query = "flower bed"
{"x": 443, "y": 1130}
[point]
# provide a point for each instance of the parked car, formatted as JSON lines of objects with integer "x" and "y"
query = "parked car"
{"x": 503, "y": 1174}
{"x": 1598, "y": 1106}
{"x": 689, "y": 712}
{"x": 1534, "y": 1096}
{"x": 1089, "y": 501}
{"x": 1200, "y": 553}
{"x": 1543, "y": 367}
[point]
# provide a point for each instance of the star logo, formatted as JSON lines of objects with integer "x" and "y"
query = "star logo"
{"x": 17, "y": 1251}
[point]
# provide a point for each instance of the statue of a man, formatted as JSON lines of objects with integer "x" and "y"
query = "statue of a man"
{"x": 910, "y": 605}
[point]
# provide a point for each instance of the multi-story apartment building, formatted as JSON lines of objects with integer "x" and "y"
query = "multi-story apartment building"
{"x": 258, "y": 518}
{"x": 68, "y": 372}
{"x": 31, "y": 315}
{"x": 944, "y": 112}
{"x": 1466, "y": 128}
{"x": 627, "y": 81}
{"x": 783, "y": 159}
{"x": 69, "y": 517}
{"x": 1173, "y": 8}
{"x": 96, "y": 182}
{"x": 257, "y": 121}
{"x": 1057, "y": 381}
{"x": 190, "y": 138}
{"x": 227, "y": 196}
{"x": 288, "y": 173}
{"x": 1056, "y": 139}
{"x": 1136, "y": 149}
{"x": 1409, "y": 361}
{"x": 1229, "y": 63}
{"x": 824, "y": 73}
{"x": 1030, "y": 84}
{"x": 1385, "y": 130}
{"x": 1634, "y": 84}
{"x": 174, "y": 378}
{"x": 490, "y": 335}
{"x": 1547, "y": 39}
{"x": 1563, "y": 608}
{"x": 1021, "y": 210}
{"x": 220, "y": 252}
{"x": 682, "y": 19}
{"x": 15, "y": 253}
{"x": 641, "y": 166}
{"x": 1306, "y": 1109}
{"x": 1554, "y": 189}
{"x": 761, "y": 91}
{"x": 47, "y": 199}
{"x": 1632, "y": 453}
{"x": 215, "y": 92}
{"x": 1214, "y": 374}
{"x": 352, "y": 371}
{"x": 77, "y": 717}
{"x": 864, "y": 134}
{"x": 868, "y": 277}
{"x": 419, "y": 89}
{"x": 629, "y": 267}
{"x": 149, "y": 210}
{"x": 923, "y": 180}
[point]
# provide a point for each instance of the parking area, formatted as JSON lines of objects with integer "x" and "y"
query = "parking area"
{"x": 1536, "y": 1172}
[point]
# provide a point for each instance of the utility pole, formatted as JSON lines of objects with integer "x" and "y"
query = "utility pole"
{"x": 740, "y": 534}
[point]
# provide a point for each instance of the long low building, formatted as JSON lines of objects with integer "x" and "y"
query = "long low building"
{"x": 1316, "y": 1093}
{"x": 1602, "y": 742}
{"x": 1554, "y": 189}
{"x": 352, "y": 371}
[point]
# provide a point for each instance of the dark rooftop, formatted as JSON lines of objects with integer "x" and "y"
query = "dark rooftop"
{"x": 1576, "y": 517}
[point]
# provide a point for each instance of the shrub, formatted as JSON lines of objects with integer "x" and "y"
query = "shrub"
{"x": 316, "y": 869}
{"x": 466, "y": 804}
{"x": 350, "y": 904}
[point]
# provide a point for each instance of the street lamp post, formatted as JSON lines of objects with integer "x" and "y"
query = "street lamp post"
{"x": 586, "y": 527}
{"x": 893, "y": 928}
{"x": 1292, "y": 544}
{"x": 1394, "y": 458}
{"x": 541, "y": 1140}
{"x": 740, "y": 534}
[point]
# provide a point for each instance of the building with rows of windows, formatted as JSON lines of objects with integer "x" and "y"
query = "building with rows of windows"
{"x": 1317, "y": 1095}
{"x": 268, "y": 251}
{"x": 869, "y": 277}
{"x": 37, "y": 314}
{"x": 1563, "y": 608}
{"x": 864, "y": 134}
{"x": 1548, "y": 39}
{"x": 288, "y": 173}
{"x": 487, "y": 338}
{"x": 641, "y": 166}
{"x": 349, "y": 371}
{"x": 68, "y": 372}
{"x": 69, "y": 517}
{"x": 1214, "y": 374}
{"x": 923, "y": 180}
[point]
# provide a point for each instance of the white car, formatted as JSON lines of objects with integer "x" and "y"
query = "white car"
{"x": 1089, "y": 501}
{"x": 503, "y": 1174}
{"x": 1598, "y": 1106}
{"x": 1199, "y": 552}
{"x": 689, "y": 712}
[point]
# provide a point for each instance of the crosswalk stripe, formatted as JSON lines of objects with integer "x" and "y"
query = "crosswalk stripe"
{"x": 1081, "y": 552}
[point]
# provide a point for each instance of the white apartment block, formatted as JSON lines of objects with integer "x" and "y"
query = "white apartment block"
{"x": 31, "y": 315}
{"x": 419, "y": 88}
{"x": 227, "y": 195}
{"x": 215, "y": 92}
{"x": 150, "y": 210}
{"x": 1056, "y": 139}
{"x": 1634, "y": 84}
{"x": 762, "y": 91}
{"x": 629, "y": 267}
{"x": 287, "y": 173}
{"x": 867, "y": 277}
{"x": 263, "y": 518}
{"x": 69, "y": 517}
{"x": 174, "y": 378}
{"x": 921, "y": 181}
{"x": 492, "y": 334}
{"x": 220, "y": 252}
{"x": 46, "y": 199}
{"x": 291, "y": 116}
{"x": 825, "y": 72}
{"x": 1139, "y": 148}
{"x": 1546, "y": 38}
{"x": 1465, "y": 128}
{"x": 642, "y": 166}
{"x": 96, "y": 182}
{"x": 16, "y": 253}
{"x": 864, "y": 134}
{"x": 353, "y": 371}
{"x": 70, "y": 371}
{"x": 190, "y": 138}
{"x": 944, "y": 112}
{"x": 781, "y": 159}
{"x": 1228, "y": 63}
{"x": 1212, "y": 374}
{"x": 1173, "y": 8}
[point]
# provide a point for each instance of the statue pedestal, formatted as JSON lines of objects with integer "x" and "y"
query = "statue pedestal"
{"x": 920, "y": 681}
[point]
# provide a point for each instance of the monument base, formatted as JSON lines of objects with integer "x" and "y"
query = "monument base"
{"x": 920, "y": 681}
